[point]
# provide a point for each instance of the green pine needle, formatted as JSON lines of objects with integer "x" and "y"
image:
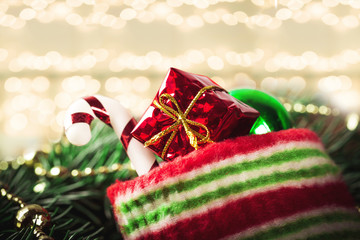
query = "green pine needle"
{"x": 78, "y": 206}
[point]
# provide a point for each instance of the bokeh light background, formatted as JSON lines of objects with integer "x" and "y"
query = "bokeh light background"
{"x": 53, "y": 52}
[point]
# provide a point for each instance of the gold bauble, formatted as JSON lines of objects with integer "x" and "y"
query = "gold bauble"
{"x": 30, "y": 214}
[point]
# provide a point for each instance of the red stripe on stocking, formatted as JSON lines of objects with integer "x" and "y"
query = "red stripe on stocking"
{"x": 255, "y": 210}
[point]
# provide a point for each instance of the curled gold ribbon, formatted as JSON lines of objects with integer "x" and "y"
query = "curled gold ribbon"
{"x": 180, "y": 120}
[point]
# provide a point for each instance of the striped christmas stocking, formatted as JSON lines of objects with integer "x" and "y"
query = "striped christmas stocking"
{"x": 280, "y": 185}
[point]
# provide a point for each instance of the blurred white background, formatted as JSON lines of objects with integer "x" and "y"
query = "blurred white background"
{"x": 53, "y": 52}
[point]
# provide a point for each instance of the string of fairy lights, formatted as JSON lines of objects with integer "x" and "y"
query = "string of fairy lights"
{"x": 37, "y": 87}
{"x": 147, "y": 11}
{"x": 100, "y": 58}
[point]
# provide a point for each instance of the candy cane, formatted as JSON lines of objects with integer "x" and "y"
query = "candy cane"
{"x": 80, "y": 115}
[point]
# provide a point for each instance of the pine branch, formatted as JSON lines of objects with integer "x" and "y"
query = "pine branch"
{"x": 79, "y": 207}
{"x": 76, "y": 205}
{"x": 340, "y": 143}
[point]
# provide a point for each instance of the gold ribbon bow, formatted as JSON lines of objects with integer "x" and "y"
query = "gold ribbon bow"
{"x": 180, "y": 119}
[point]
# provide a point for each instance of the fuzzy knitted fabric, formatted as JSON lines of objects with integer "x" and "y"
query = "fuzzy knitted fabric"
{"x": 280, "y": 185}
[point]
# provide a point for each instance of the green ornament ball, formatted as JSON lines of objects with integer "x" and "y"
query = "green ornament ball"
{"x": 273, "y": 115}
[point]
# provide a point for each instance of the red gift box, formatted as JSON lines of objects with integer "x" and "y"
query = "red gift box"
{"x": 189, "y": 111}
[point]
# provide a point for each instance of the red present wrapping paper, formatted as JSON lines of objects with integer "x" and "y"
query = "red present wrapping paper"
{"x": 188, "y": 112}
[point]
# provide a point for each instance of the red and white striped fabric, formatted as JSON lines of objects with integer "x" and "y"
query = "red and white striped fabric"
{"x": 280, "y": 185}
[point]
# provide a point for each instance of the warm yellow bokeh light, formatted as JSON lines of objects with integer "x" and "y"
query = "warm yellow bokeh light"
{"x": 55, "y": 52}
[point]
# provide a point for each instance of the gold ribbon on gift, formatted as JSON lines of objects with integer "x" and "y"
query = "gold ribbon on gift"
{"x": 180, "y": 120}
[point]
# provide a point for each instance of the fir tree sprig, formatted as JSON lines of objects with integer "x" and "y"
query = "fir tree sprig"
{"x": 78, "y": 206}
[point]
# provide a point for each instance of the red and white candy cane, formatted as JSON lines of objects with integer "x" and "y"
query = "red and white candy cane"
{"x": 80, "y": 115}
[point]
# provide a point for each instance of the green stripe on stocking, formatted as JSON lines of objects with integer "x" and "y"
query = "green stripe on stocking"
{"x": 175, "y": 208}
{"x": 262, "y": 162}
{"x": 301, "y": 224}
